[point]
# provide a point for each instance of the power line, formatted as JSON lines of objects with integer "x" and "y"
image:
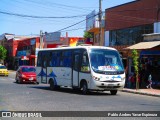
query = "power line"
{"x": 31, "y": 16}
{"x": 58, "y": 4}
{"x": 76, "y": 23}
{"x": 71, "y": 25}
{"x": 48, "y": 7}
{"x": 73, "y": 29}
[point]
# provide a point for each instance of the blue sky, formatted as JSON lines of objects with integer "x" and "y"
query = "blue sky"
{"x": 49, "y": 8}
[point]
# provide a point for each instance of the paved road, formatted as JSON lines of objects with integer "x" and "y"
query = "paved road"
{"x": 31, "y": 97}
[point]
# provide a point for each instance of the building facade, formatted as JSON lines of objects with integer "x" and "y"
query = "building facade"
{"x": 26, "y": 51}
{"x": 93, "y": 27}
{"x": 126, "y": 24}
{"x": 21, "y": 50}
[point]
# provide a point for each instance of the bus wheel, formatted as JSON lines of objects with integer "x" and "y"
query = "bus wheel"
{"x": 113, "y": 92}
{"x": 84, "y": 88}
{"x": 51, "y": 85}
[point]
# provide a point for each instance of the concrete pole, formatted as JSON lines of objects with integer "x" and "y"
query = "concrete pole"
{"x": 100, "y": 21}
{"x": 41, "y": 39}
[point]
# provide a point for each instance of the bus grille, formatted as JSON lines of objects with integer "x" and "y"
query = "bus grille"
{"x": 109, "y": 86}
{"x": 110, "y": 81}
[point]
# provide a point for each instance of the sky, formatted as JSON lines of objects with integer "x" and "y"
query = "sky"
{"x": 21, "y": 25}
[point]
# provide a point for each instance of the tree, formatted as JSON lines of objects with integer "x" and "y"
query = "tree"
{"x": 3, "y": 53}
{"x": 87, "y": 35}
{"x": 136, "y": 64}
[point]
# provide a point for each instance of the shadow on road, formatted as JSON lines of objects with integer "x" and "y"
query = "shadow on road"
{"x": 70, "y": 91}
{"x": 148, "y": 104}
{"x": 29, "y": 83}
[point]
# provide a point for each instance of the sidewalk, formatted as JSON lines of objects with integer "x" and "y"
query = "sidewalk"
{"x": 149, "y": 92}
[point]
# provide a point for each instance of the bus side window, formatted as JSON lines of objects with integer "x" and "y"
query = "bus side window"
{"x": 44, "y": 60}
{"x": 58, "y": 59}
{"x": 67, "y": 58}
{"x": 39, "y": 61}
{"x": 54, "y": 57}
{"x": 76, "y": 62}
{"x": 49, "y": 59}
{"x": 85, "y": 63}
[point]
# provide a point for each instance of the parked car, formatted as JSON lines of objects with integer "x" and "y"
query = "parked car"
{"x": 3, "y": 70}
{"x": 26, "y": 74}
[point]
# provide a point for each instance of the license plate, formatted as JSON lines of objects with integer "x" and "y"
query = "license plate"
{"x": 31, "y": 78}
{"x": 110, "y": 84}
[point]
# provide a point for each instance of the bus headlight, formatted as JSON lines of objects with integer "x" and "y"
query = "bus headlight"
{"x": 95, "y": 78}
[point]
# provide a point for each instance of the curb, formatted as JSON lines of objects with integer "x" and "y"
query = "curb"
{"x": 142, "y": 93}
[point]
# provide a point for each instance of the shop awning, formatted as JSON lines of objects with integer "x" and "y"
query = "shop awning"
{"x": 144, "y": 45}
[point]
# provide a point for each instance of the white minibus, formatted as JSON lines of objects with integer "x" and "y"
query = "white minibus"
{"x": 86, "y": 68}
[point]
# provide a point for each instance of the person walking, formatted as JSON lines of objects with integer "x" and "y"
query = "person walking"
{"x": 132, "y": 81}
{"x": 150, "y": 81}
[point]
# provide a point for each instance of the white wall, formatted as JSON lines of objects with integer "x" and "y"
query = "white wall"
{"x": 106, "y": 38}
{"x": 157, "y": 27}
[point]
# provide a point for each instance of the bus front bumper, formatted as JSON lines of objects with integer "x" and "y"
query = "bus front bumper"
{"x": 99, "y": 85}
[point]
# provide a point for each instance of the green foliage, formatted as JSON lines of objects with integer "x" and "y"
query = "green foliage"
{"x": 136, "y": 64}
{"x": 3, "y": 53}
{"x": 87, "y": 35}
{"x": 135, "y": 60}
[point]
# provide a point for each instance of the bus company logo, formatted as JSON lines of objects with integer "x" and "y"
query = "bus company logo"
{"x": 6, "y": 114}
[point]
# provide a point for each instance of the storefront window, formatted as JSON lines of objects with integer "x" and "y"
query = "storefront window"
{"x": 129, "y": 36}
{"x": 149, "y": 64}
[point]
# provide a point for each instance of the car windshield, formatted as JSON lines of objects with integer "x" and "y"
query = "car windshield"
{"x": 103, "y": 61}
{"x": 28, "y": 69}
{"x": 3, "y": 67}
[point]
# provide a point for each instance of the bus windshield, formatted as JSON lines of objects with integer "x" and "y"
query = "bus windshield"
{"x": 105, "y": 61}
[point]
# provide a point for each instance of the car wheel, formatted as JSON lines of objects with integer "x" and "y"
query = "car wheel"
{"x": 113, "y": 92}
{"x": 19, "y": 81}
{"x": 37, "y": 83}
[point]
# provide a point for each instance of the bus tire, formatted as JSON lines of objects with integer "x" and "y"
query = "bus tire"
{"x": 84, "y": 88}
{"x": 113, "y": 92}
{"x": 51, "y": 83}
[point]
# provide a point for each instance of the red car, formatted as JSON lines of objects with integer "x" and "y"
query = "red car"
{"x": 26, "y": 74}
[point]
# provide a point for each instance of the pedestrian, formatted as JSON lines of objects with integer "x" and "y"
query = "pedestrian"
{"x": 150, "y": 81}
{"x": 132, "y": 81}
{"x": 129, "y": 81}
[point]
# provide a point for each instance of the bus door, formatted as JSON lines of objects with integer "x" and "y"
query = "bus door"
{"x": 44, "y": 68}
{"x": 76, "y": 68}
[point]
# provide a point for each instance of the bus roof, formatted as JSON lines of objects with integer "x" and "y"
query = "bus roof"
{"x": 85, "y": 47}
